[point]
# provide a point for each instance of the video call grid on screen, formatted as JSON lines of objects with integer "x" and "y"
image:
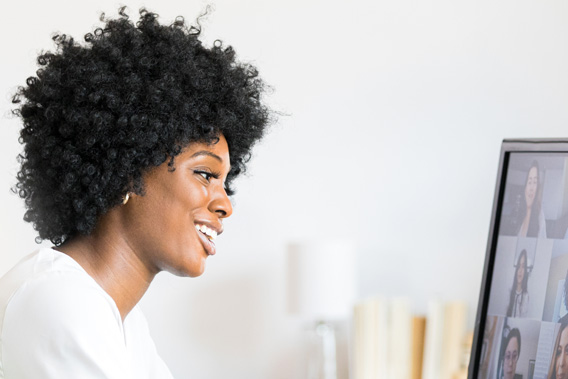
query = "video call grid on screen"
{"x": 522, "y": 323}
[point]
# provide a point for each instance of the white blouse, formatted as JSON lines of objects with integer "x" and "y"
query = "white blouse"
{"x": 57, "y": 322}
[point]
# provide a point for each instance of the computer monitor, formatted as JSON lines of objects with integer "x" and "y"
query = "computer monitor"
{"x": 521, "y": 330}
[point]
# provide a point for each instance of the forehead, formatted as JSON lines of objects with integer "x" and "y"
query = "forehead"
{"x": 217, "y": 149}
{"x": 564, "y": 335}
{"x": 513, "y": 344}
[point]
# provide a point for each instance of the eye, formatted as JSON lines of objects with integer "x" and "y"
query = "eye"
{"x": 206, "y": 174}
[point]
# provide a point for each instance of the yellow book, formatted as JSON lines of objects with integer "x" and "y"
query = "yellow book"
{"x": 417, "y": 346}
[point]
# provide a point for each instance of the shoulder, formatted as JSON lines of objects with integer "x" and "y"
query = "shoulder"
{"x": 50, "y": 289}
{"x": 56, "y": 315}
{"x": 54, "y": 286}
{"x": 56, "y": 297}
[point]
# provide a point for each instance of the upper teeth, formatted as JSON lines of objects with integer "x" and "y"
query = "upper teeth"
{"x": 207, "y": 231}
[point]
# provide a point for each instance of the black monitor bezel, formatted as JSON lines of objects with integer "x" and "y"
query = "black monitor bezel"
{"x": 507, "y": 147}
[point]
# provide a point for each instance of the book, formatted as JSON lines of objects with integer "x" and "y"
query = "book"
{"x": 382, "y": 338}
{"x": 433, "y": 341}
{"x": 400, "y": 339}
{"x": 371, "y": 339}
{"x": 391, "y": 343}
{"x": 418, "y": 333}
{"x": 455, "y": 318}
{"x": 445, "y": 330}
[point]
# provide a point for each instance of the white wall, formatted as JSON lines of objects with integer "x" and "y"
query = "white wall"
{"x": 396, "y": 111}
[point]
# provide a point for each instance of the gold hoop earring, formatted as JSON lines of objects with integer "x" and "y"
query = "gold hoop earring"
{"x": 125, "y": 198}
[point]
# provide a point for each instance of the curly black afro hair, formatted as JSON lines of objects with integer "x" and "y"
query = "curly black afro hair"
{"x": 99, "y": 115}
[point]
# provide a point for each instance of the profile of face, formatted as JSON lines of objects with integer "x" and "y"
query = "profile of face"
{"x": 531, "y": 187}
{"x": 172, "y": 226}
{"x": 561, "y": 356}
{"x": 521, "y": 270}
{"x": 511, "y": 357}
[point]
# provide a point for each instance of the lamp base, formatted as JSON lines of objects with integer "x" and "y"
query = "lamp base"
{"x": 322, "y": 363}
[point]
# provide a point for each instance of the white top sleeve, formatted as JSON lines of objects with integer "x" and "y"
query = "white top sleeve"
{"x": 524, "y": 307}
{"x": 55, "y": 327}
{"x": 541, "y": 225}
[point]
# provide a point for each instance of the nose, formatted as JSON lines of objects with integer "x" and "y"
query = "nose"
{"x": 220, "y": 203}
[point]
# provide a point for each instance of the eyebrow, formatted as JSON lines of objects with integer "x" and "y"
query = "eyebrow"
{"x": 207, "y": 153}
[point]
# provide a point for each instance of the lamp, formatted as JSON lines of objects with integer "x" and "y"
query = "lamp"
{"x": 321, "y": 286}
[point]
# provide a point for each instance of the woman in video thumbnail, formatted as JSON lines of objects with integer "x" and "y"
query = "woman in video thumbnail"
{"x": 531, "y": 217}
{"x": 519, "y": 298}
{"x": 559, "y": 362}
{"x": 511, "y": 350}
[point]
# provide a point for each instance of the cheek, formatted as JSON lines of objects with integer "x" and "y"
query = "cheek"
{"x": 179, "y": 212}
{"x": 153, "y": 219}
{"x": 178, "y": 200}
{"x": 160, "y": 211}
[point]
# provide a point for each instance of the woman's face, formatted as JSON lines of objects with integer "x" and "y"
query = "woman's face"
{"x": 562, "y": 356}
{"x": 521, "y": 269}
{"x": 511, "y": 357}
{"x": 531, "y": 186}
{"x": 172, "y": 226}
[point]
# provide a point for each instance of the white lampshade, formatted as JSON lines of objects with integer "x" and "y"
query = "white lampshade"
{"x": 321, "y": 279}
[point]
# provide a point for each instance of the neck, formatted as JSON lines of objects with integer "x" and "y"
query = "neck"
{"x": 109, "y": 258}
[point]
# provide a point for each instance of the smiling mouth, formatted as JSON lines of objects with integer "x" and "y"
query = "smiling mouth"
{"x": 208, "y": 232}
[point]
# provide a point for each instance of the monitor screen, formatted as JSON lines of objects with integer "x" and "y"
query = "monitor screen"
{"x": 521, "y": 329}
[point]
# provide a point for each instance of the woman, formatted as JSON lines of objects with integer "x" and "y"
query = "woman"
{"x": 510, "y": 353}
{"x": 559, "y": 362}
{"x": 131, "y": 143}
{"x": 532, "y": 223}
{"x": 519, "y": 296}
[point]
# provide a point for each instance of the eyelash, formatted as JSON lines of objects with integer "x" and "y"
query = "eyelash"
{"x": 207, "y": 175}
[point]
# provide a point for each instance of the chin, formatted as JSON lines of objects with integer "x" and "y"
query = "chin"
{"x": 194, "y": 269}
{"x": 187, "y": 262}
{"x": 189, "y": 269}
{"x": 196, "y": 273}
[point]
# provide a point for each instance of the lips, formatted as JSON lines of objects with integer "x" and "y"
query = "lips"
{"x": 209, "y": 232}
{"x": 207, "y": 235}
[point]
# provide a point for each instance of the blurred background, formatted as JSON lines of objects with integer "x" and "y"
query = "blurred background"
{"x": 393, "y": 113}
